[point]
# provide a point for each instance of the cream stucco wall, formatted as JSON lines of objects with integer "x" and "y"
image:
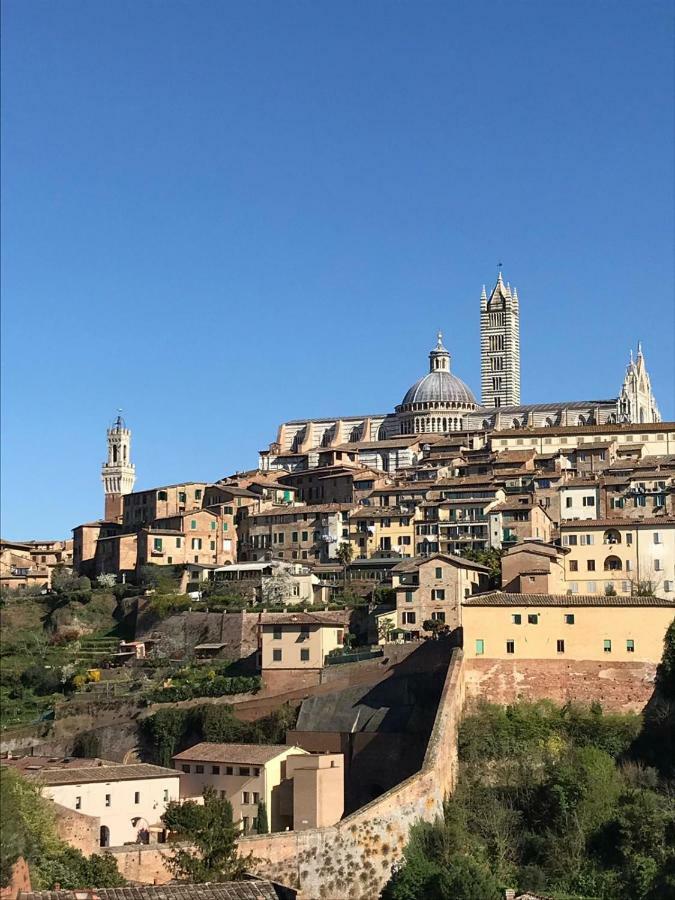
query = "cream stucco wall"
{"x": 583, "y": 640}
{"x": 119, "y": 814}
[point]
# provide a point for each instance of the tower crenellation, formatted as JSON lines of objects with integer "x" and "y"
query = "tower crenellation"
{"x": 118, "y": 473}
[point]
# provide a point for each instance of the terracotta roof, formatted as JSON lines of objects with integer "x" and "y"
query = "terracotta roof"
{"x": 317, "y": 618}
{"x": 255, "y": 754}
{"x": 583, "y": 429}
{"x": 532, "y": 546}
{"x": 381, "y": 512}
{"x": 89, "y": 774}
{"x": 511, "y": 456}
{"x": 497, "y": 598}
{"x": 616, "y": 523}
{"x": 410, "y": 565}
{"x": 225, "y": 890}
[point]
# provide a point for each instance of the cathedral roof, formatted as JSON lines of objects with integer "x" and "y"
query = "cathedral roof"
{"x": 439, "y": 387}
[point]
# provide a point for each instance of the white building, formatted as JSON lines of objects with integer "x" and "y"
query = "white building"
{"x": 579, "y": 501}
{"x": 128, "y": 800}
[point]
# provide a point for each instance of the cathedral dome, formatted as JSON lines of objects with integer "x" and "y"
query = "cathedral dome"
{"x": 439, "y": 387}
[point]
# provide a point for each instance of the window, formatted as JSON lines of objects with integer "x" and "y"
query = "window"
{"x": 408, "y": 596}
{"x": 657, "y": 565}
{"x": 108, "y": 800}
{"x": 657, "y": 537}
{"x": 569, "y": 618}
{"x": 294, "y": 537}
{"x": 568, "y": 502}
{"x": 196, "y": 543}
{"x": 409, "y": 618}
{"x": 244, "y": 823}
{"x": 215, "y": 770}
{"x": 438, "y": 594}
{"x": 533, "y": 618}
{"x": 304, "y": 655}
{"x": 572, "y": 540}
{"x": 629, "y": 538}
{"x": 591, "y": 587}
{"x": 439, "y": 571}
{"x": 213, "y": 526}
{"x": 607, "y": 646}
{"x": 255, "y": 797}
{"x": 162, "y": 495}
{"x": 276, "y": 634}
{"x": 574, "y": 587}
{"x": 245, "y": 797}
{"x": 212, "y": 545}
{"x": 510, "y": 646}
{"x": 630, "y": 646}
{"x": 157, "y": 544}
{"x": 179, "y": 542}
{"x": 516, "y": 618}
{"x": 137, "y": 796}
{"x": 199, "y": 770}
{"x": 590, "y": 565}
{"x": 244, "y": 770}
{"x": 256, "y": 771}
{"x": 588, "y": 501}
{"x": 438, "y": 616}
{"x": 78, "y": 803}
{"x": 480, "y": 647}
{"x": 229, "y": 770}
{"x": 305, "y": 535}
{"x": 193, "y": 524}
{"x": 166, "y": 795}
{"x": 186, "y": 768}
{"x": 198, "y": 494}
{"x": 667, "y": 586}
{"x": 574, "y": 565}
{"x": 276, "y": 655}
{"x": 182, "y": 497}
{"x": 560, "y": 646}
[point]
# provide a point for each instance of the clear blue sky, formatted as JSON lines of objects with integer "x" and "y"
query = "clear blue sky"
{"x": 221, "y": 215}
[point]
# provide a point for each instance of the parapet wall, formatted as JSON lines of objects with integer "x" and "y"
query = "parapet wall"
{"x": 353, "y": 859}
{"x": 618, "y": 686}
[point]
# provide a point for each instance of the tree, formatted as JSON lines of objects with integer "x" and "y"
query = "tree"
{"x": 211, "y": 834}
{"x": 665, "y": 676}
{"x": 344, "y": 555}
{"x": 262, "y": 826}
{"x": 433, "y": 626}
{"x": 276, "y": 588}
{"x": 28, "y": 830}
{"x": 384, "y": 629}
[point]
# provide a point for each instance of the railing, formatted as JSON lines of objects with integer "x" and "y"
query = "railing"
{"x": 356, "y": 656}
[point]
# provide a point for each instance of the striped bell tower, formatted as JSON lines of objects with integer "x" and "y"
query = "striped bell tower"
{"x": 500, "y": 346}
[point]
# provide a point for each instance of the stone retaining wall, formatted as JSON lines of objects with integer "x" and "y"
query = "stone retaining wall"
{"x": 353, "y": 859}
{"x": 618, "y": 686}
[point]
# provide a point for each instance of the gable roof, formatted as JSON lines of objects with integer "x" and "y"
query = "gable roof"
{"x": 410, "y": 565}
{"x": 253, "y": 754}
{"x": 224, "y": 890}
{"x": 498, "y": 598}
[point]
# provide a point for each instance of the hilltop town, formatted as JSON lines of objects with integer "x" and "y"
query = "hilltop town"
{"x": 307, "y": 639}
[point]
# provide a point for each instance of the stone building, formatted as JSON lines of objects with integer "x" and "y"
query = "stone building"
{"x": 118, "y": 473}
{"x": 433, "y": 587}
{"x": 441, "y": 403}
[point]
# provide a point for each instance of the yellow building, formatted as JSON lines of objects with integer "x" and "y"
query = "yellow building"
{"x": 293, "y": 644}
{"x": 382, "y": 531}
{"x": 245, "y": 774}
{"x": 620, "y": 555}
{"x": 550, "y": 626}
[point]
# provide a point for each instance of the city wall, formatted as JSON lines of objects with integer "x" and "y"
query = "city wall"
{"x": 618, "y": 686}
{"x": 353, "y": 859}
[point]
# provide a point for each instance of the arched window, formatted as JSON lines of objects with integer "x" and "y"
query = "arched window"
{"x": 445, "y": 425}
{"x": 581, "y": 420}
{"x": 516, "y": 423}
{"x": 611, "y": 536}
{"x": 486, "y": 424}
{"x": 549, "y": 422}
{"x": 381, "y": 433}
{"x": 355, "y": 434}
{"x": 613, "y": 564}
{"x": 114, "y": 450}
